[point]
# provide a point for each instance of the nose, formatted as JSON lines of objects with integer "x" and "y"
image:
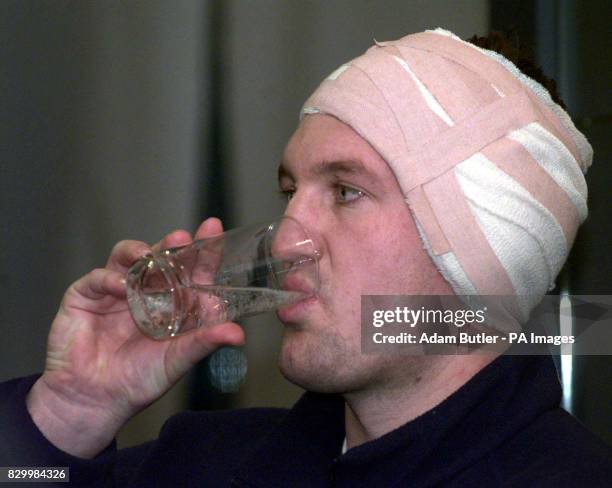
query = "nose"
{"x": 292, "y": 242}
{"x": 303, "y": 208}
{"x": 295, "y": 257}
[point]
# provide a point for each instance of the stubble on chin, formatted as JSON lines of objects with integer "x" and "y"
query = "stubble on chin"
{"x": 318, "y": 361}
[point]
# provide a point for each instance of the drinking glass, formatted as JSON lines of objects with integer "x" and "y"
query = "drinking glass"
{"x": 241, "y": 272}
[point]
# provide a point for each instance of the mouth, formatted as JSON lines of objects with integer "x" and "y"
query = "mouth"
{"x": 296, "y": 310}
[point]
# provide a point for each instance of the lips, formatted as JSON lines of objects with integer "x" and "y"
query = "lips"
{"x": 295, "y": 311}
{"x": 295, "y": 283}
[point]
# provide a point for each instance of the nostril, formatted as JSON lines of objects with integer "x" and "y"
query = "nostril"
{"x": 294, "y": 264}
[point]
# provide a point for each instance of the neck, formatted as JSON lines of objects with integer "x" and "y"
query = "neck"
{"x": 372, "y": 413}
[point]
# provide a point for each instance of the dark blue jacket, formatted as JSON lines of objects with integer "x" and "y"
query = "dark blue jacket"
{"x": 502, "y": 428}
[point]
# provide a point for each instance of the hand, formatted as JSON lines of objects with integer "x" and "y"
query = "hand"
{"x": 100, "y": 368}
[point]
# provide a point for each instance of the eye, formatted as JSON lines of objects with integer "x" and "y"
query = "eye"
{"x": 346, "y": 194}
{"x": 286, "y": 195}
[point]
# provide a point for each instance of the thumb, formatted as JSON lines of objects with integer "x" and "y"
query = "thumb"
{"x": 186, "y": 350}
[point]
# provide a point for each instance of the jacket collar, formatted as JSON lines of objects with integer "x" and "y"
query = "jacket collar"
{"x": 304, "y": 448}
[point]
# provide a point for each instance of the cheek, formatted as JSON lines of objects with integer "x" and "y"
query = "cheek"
{"x": 386, "y": 253}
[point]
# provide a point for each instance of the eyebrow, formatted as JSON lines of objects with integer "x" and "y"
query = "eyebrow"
{"x": 325, "y": 168}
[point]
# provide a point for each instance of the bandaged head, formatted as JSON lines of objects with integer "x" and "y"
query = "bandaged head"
{"x": 491, "y": 168}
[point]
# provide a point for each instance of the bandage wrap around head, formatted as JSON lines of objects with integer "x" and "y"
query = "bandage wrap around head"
{"x": 491, "y": 168}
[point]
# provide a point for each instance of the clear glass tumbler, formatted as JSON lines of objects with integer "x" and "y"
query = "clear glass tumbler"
{"x": 242, "y": 272}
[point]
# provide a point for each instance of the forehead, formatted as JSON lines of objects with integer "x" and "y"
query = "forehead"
{"x": 323, "y": 144}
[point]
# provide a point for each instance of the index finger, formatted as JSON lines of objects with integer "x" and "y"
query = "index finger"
{"x": 212, "y": 226}
{"x": 125, "y": 253}
{"x": 173, "y": 239}
{"x": 208, "y": 256}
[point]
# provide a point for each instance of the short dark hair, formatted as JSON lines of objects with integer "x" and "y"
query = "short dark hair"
{"x": 498, "y": 42}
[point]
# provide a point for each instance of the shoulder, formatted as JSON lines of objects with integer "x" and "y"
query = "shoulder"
{"x": 555, "y": 449}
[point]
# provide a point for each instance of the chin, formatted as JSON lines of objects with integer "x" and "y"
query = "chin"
{"x": 307, "y": 365}
{"x": 310, "y": 381}
{"x": 319, "y": 368}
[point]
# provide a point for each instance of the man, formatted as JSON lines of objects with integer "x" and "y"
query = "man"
{"x": 426, "y": 166}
